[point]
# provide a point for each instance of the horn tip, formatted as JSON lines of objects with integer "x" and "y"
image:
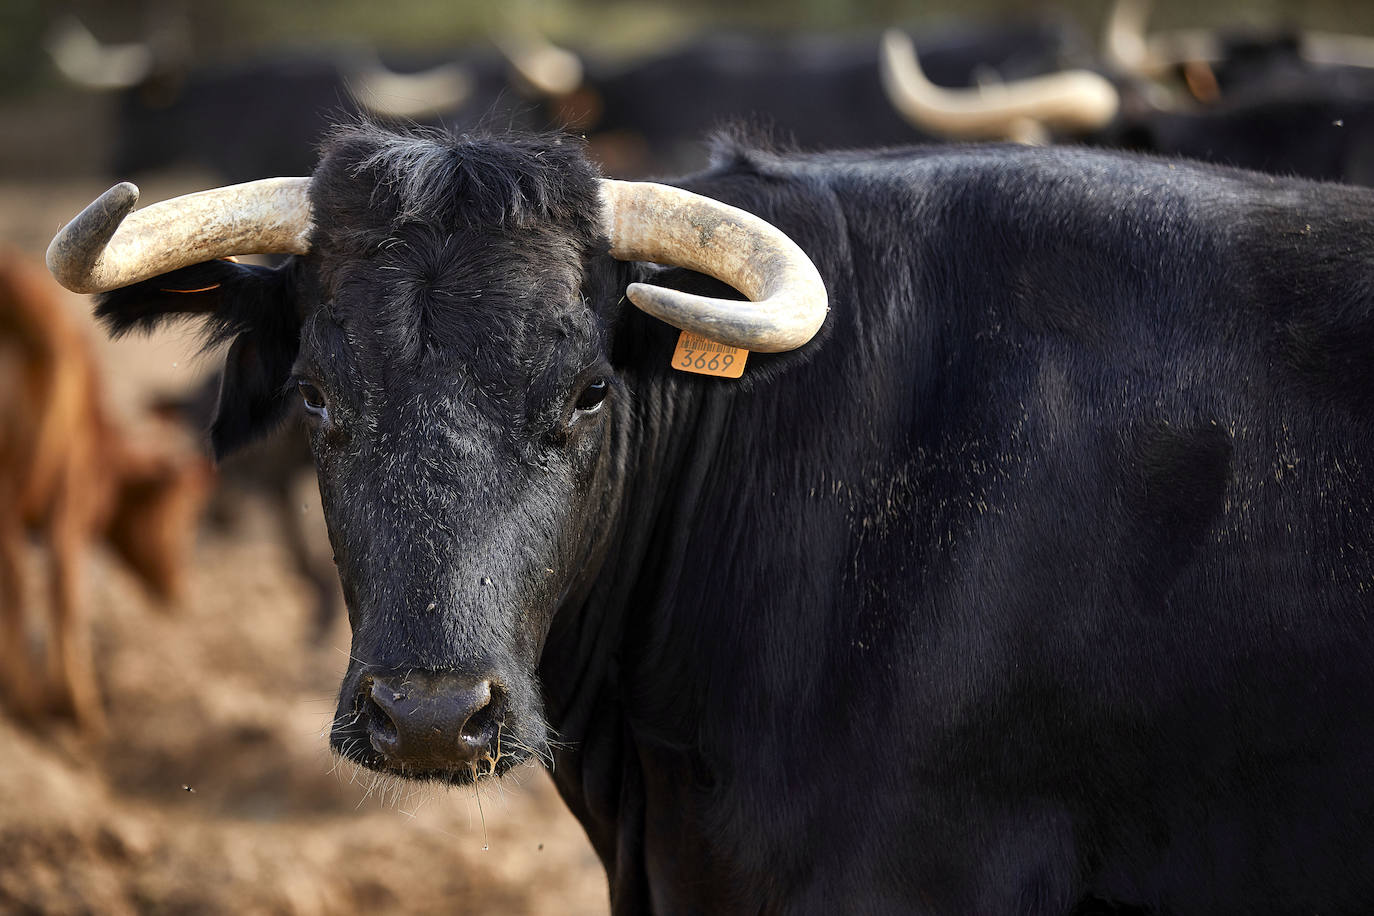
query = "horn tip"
{"x": 71, "y": 253}
{"x": 676, "y": 308}
{"x": 120, "y": 199}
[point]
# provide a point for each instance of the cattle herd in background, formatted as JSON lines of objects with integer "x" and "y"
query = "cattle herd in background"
{"x": 1283, "y": 100}
{"x": 1280, "y": 99}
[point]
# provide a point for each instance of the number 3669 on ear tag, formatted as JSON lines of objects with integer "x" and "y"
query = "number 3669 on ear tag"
{"x": 706, "y": 357}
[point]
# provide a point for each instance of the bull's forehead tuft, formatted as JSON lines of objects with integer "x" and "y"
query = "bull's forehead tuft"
{"x": 370, "y": 178}
{"x": 462, "y": 252}
{"x": 455, "y": 294}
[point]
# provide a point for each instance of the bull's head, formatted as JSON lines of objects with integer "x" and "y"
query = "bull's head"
{"x": 447, "y": 323}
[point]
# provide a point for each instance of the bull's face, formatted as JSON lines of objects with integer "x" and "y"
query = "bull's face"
{"x": 459, "y": 490}
{"x": 459, "y": 400}
{"x": 446, "y": 329}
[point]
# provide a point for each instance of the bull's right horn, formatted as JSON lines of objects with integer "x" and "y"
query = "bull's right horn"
{"x": 1073, "y": 100}
{"x": 106, "y": 246}
{"x": 654, "y": 222}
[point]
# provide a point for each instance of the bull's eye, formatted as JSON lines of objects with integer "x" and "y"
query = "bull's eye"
{"x": 313, "y": 398}
{"x": 592, "y": 396}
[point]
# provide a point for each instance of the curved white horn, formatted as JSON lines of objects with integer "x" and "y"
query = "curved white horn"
{"x": 382, "y": 91}
{"x": 106, "y": 246}
{"x": 81, "y": 58}
{"x": 1075, "y": 100}
{"x": 540, "y": 64}
{"x": 1128, "y": 47}
{"x": 653, "y": 222}
{"x": 1123, "y": 40}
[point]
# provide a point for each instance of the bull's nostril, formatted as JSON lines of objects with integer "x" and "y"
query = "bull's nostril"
{"x": 383, "y": 736}
{"x": 381, "y": 728}
{"x": 481, "y": 725}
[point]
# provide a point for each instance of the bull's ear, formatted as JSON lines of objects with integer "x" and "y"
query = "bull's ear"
{"x": 252, "y": 394}
{"x": 254, "y": 308}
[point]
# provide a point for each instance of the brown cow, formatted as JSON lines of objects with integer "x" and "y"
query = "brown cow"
{"x": 69, "y": 476}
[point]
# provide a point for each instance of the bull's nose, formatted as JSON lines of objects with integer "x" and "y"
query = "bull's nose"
{"x": 430, "y": 721}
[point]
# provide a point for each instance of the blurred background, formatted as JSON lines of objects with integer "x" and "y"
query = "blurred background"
{"x": 171, "y": 634}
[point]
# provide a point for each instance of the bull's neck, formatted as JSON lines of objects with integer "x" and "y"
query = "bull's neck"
{"x": 662, "y": 450}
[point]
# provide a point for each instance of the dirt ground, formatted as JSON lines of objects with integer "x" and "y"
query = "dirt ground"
{"x": 214, "y": 791}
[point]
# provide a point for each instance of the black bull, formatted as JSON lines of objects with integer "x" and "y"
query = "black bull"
{"x": 1038, "y": 582}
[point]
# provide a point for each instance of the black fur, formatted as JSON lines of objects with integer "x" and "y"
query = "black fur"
{"x": 252, "y": 308}
{"x": 1038, "y": 583}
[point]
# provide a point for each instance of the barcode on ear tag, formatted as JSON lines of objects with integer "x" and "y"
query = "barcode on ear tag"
{"x": 706, "y": 357}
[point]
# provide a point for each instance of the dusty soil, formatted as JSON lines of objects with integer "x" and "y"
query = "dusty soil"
{"x": 214, "y": 791}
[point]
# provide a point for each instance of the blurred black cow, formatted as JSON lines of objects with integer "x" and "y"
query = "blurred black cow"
{"x": 813, "y": 92}
{"x": 1216, "y": 64}
{"x": 1277, "y": 99}
{"x": 1281, "y": 112}
{"x": 1315, "y": 130}
{"x": 265, "y": 116}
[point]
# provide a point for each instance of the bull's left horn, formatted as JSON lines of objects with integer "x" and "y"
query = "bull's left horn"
{"x": 653, "y": 222}
{"x": 1074, "y": 100}
{"x": 106, "y": 246}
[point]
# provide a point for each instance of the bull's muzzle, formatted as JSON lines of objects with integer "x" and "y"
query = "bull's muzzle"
{"x": 429, "y": 722}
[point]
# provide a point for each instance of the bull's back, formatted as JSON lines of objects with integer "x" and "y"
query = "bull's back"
{"x": 1081, "y": 473}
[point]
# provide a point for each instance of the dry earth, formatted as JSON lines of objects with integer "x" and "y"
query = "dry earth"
{"x": 214, "y": 792}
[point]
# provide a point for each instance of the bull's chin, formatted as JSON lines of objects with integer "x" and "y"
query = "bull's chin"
{"x": 359, "y": 749}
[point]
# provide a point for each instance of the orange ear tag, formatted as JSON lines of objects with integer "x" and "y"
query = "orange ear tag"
{"x": 706, "y": 357}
